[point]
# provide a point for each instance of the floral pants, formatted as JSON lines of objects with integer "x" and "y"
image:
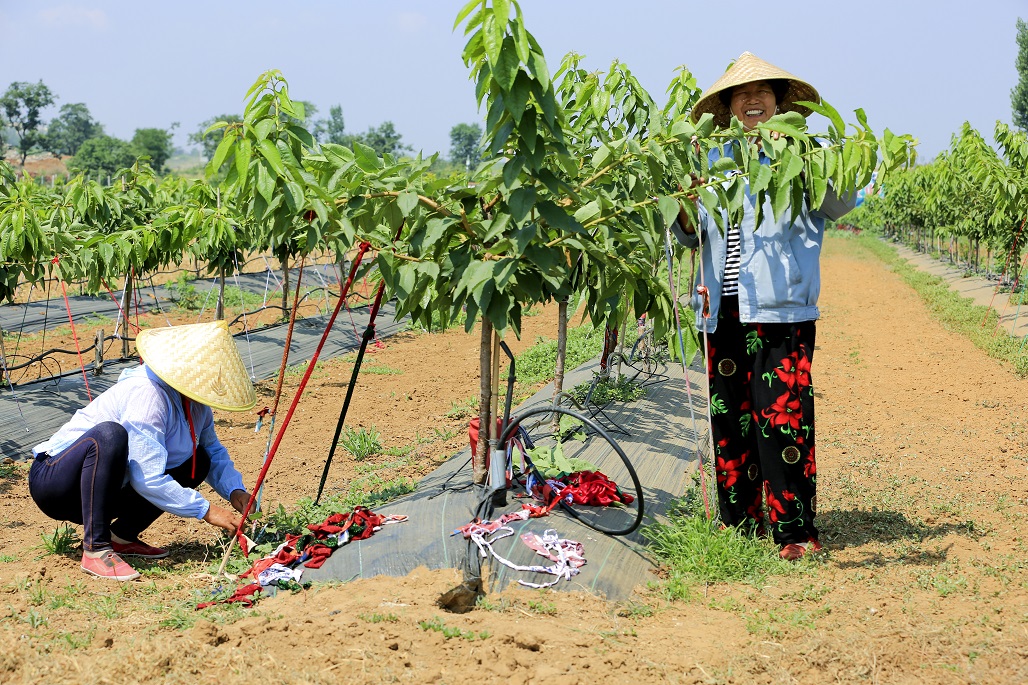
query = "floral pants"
{"x": 762, "y": 420}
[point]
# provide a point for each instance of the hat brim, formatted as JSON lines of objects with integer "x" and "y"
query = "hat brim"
{"x": 202, "y": 362}
{"x": 748, "y": 69}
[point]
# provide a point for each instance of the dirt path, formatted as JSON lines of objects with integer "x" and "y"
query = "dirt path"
{"x": 922, "y": 464}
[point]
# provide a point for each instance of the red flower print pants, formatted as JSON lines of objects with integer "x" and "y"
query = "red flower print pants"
{"x": 762, "y": 420}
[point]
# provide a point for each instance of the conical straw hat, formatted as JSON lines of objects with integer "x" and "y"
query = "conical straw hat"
{"x": 747, "y": 69}
{"x": 201, "y": 361}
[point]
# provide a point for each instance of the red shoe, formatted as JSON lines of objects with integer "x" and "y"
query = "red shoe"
{"x": 139, "y": 549}
{"x": 108, "y": 565}
{"x": 796, "y": 550}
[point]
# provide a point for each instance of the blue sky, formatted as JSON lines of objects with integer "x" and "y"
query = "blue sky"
{"x": 916, "y": 67}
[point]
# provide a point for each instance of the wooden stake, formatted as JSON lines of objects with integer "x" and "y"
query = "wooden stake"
{"x": 485, "y": 366}
{"x": 126, "y": 303}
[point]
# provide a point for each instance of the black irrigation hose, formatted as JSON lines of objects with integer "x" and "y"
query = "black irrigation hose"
{"x": 515, "y": 424}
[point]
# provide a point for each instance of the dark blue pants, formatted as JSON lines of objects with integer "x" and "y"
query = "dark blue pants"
{"x": 83, "y": 484}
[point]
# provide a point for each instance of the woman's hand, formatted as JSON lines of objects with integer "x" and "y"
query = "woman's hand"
{"x": 239, "y": 499}
{"x": 223, "y": 518}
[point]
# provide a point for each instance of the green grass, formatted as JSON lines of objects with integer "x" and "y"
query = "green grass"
{"x": 463, "y": 409}
{"x": 697, "y": 551}
{"x": 536, "y": 364}
{"x": 62, "y": 541}
{"x": 381, "y": 370}
{"x": 379, "y": 618}
{"x": 956, "y": 313}
{"x": 448, "y": 632}
{"x": 361, "y": 442}
{"x": 186, "y": 296}
{"x": 607, "y": 390}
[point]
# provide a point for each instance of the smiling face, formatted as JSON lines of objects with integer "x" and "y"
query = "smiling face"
{"x": 753, "y": 103}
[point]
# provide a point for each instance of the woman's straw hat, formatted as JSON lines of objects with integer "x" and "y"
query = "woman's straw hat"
{"x": 201, "y": 361}
{"x": 747, "y": 69}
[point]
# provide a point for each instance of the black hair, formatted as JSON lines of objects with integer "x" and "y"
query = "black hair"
{"x": 779, "y": 86}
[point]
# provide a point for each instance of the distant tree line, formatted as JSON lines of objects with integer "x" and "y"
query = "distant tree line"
{"x": 75, "y": 133}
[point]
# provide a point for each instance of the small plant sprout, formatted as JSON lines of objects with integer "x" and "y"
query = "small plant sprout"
{"x": 62, "y": 541}
{"x": 362, "y": 442}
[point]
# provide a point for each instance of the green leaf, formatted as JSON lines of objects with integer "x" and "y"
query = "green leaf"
{"x": 271, "y": 154}
{"x": 723, "y": 165}
{"x": 587, "y": 211}
{"x": 497, "y": 227}
{"x": 466, "y": 10}
{"x": 523, "y": 237}
{"x": 517, "y": 98}
{"x": 537, "y": 65}
{"x": 780, "y": 198}
{"x": 263, "y": 129}
{"x": 224, "y": 147}
{"x": 521, "y": 202}
{"x": 265, "y": 183}
{"x": 791, "y": 166}
{"x": 668, "y": 207}
{"x": 366, "y": 157}
{"x": 294, "y": 196}
{"x": 501, "y": 10}
{"x": 407, "y": 201}
{"x": 507, "y": 66}
{"x": 557, "y": 218}
{"x": 826, "y": 110}
{"x": 243, "y": 159}
{"x": 762, "y": 178}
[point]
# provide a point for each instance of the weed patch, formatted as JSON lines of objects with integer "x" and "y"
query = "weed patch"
{"x": 697, "y": 551}
{"x": 609, "y": 390}
{"x": 361, "y": 443}
{"x": 62, "y": 541}
{"x": 536, "y": 364}
{"x": 437, "y": 625}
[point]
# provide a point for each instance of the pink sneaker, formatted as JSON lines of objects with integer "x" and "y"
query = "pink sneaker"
{"x": 796, "y": 550}
{"x": 108, "y": 565}
{"x": 139, "y": 549}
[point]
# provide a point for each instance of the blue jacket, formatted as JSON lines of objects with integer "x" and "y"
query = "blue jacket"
{"x": 779, "y": 271}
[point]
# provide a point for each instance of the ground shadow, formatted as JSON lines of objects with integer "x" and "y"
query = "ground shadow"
{"x": 856, "y": 528}
{"x": 12, "y": 476}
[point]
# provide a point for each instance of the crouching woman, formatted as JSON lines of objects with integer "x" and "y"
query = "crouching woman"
{"x": 143, "y": 447}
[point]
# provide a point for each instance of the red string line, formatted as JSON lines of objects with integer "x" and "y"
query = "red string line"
{"x": 118, "y": 304}
{"x": 78, "y": 349}
{"x": 299, "y": 391}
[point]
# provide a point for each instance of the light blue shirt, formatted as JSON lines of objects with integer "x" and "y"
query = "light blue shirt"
{"x": 158, "y": 439}
{"x": 779, "y": 269}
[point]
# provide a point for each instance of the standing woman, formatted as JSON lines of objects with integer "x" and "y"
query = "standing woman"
{"x": 142, "y": 447}
{"x": 757, "y": 303}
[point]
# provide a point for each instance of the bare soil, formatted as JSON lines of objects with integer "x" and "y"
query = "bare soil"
{"x": 923, "y": 496}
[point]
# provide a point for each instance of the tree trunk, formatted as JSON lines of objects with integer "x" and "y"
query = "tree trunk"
{"x": 485, "y": 366}
{"x": 126, "y": 301}
{"x": 562, "y": 347}
{"x": 285, "y": 284}
{"x": 219, "y": 312}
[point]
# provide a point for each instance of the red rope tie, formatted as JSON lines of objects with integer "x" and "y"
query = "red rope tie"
{"x": 192, "y": 432}
{"x": 74, "y": 334}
